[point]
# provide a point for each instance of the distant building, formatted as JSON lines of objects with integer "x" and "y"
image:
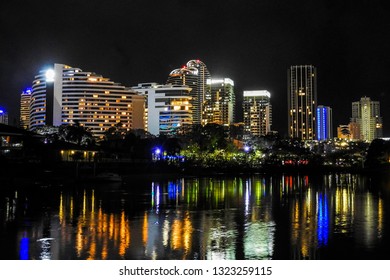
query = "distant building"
{"x": 366, "y": 114}
{"x": 302, "y": 101}
{"x": 64, "y": 94}
{"x": 219, "y": 103}
{"x": 257, "y": 111}
{"x": 324, "y": 123}
{"x": 354, "y": 129}
{"x": 3, "y": 116}
{"x": 343, "y": 132}
{"x": 194, "y": 75}
{"x": 25, "y": 100}
{"x": 168, "y": 107}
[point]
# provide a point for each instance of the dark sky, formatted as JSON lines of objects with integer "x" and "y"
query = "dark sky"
{"x": 252, "y": 42}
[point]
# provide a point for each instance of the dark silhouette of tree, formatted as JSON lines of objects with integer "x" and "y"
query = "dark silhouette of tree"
{"x": 378, "y": 153}
{"x": 75, "y": 133}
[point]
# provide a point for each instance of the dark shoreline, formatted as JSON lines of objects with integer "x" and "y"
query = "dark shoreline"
{"x": 70, "y": 172}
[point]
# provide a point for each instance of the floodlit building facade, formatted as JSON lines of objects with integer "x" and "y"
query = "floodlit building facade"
{"x": 257, "y": 111}
{"x": 194, "y": 75}
{"x": 324, "y": 123}
{"x": 344, "y": 132}
{"x": 168, "y": 107}
{"x": 219, "y": 103}
{"x": 25, "y": 100}
{"x": 366, "y": 115}
{"x": 302, "y": 102}
{"x": 63, "y": 94}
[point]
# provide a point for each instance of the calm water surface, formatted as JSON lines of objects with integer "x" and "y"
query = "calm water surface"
{"x": 336, "y": 216}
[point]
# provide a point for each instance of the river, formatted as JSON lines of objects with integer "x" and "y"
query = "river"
{"x": 285, "y": 217}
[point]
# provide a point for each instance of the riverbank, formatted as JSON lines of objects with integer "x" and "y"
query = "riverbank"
{"x": 68, "y": 172}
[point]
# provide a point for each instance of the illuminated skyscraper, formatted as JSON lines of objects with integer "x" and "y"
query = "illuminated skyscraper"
{"x": 25, "y": 99}
{"x": 194, "y": 75}
{"x": 366, "y": 114}
{"x": 63, "y": 94}
{"x": 302, "y": 102}
{"x": 168, "y": 107}
{"x": 219, "y": 103}
{"x": 324, "y": 123}
{"x": 257, "y": 112}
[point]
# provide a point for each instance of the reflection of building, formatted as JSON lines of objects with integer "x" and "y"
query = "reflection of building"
{"x": 366, "y": 114}
{"x": 219, "y": 102}
{"x": 194, "y": 75}
{"x": 168, "y": 107}
{"x": 324, "y": 123}
{"x": 25, "y": 100}
{"x": 302, "y": 101}
{"x": 65, "y": 95}
{"x": 257, "y": 112}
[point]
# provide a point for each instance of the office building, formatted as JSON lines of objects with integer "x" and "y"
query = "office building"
{"x": 257, "y": 111}
{"x": 194, "y": 75}
{"x": 324, "y": 123}
{"x": 302, "y": 102}
{"x": 64, "y": 95}
{"x": 219, "y": 103}
{"x": 25, "y": 100}
{"x": 168, "y": 107}
{"x": 366, "y": 115}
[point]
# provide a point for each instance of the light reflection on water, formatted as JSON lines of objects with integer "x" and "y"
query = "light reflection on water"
{"x": 258, "y": 217}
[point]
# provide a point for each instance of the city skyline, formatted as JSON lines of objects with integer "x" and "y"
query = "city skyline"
{"x": 252, "y": 43}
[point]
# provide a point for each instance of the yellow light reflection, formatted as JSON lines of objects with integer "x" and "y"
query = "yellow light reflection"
{"x": 187, "y": 233}
{"x": 145, "y": 228}
{"x": 176, "y": 237}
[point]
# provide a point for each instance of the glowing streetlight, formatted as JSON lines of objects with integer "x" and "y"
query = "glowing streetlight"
{"x": 50, "y": 75}
{"x": 156, "y": 154}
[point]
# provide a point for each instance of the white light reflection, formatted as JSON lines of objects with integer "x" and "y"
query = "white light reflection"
{"x": 259, "y": 241}
{"x": 46, "y": 247}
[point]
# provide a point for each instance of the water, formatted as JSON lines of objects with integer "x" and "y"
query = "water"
{"x": 335, "y": 216}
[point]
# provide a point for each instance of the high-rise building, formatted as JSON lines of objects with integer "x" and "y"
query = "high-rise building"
{"x": 257, "y": 111}
{"x": 302, "y": 101}
{"x": 25, "y": 100}
{"x": 168, "y": 107}
{"x": 194, "y": 75}
{"x": 219, "y": 103}
{"x": 366, "y": 114}
{"x": 324, "y": 123}
{"x": 64, "y": 94}
{"x": 3, "y": 116}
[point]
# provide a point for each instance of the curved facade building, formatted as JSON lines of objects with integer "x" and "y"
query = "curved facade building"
{"x": 194, "y": 75}
{"x": 65, "y": 94}
{"x": 168, "y": 107}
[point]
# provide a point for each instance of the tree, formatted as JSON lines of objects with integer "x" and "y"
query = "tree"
{"x": 76, "y": 134}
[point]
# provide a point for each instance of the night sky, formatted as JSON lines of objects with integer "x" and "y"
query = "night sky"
{"x": 253, "y": 42}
